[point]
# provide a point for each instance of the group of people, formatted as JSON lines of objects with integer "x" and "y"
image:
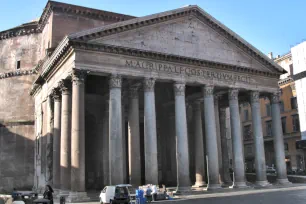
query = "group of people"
{"x": 151, "y": 192}
{"x": 48, "y": 194}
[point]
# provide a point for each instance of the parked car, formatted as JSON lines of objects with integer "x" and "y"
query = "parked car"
{"x": 115, "y": 194}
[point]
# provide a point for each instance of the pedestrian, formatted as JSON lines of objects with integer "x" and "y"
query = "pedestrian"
{"x": 14, "y": 194}
{"x": 48, "y": 194}
{"x": 154, "y": 193}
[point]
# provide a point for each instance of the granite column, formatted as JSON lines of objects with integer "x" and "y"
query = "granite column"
{"x": 211, "y": 138}
{"x": 65, "y": 160}
{"x": 182, "y": 151}
{"x": 199, "y": 145}
{"x": 115, "y": 131}
{"x": 150, "y": 137}
{"x": 134, "y": 138}
{"x": 56, "y": 139}
{"x": 278, "y": 140}
{"x": 260, "y": 161}
{"x": 238, "y": 157}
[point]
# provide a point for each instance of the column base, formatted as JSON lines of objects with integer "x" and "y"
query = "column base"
{"x": 182, "y": 189}
{"x": 62, "y": 193}
{"x": 282, "y": 182}
{"x": 239, "y": 185}
{"x": 199, "y": 184}
{"x": 75, "y": 197}
{"x": 262, "y": 184}
{"x": 215, "y": 186}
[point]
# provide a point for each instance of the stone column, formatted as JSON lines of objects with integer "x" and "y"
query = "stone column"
{"x": 105, "y": 146}
{"x": 278, "y": 139}
{"x": 49, "y": 145}
{"x": 199, "y": 145}
{"x": 182, "y": 150}
{"x": 216, "y": 103}
{"x": 65, "y": 87}
{"x": 150, "y": 137}
{"x": 260, "y": 161}
{"x": 78, "y": 138}
{"x": 238, "y": 157}
{"x": 225, "y": 174}
{"x": 115, "y": 131}
{"x": 211, "y": 138}
{"x": 134, "y": 138}
{"x": 124, "y": 150}
{"x": 56, "y": 139}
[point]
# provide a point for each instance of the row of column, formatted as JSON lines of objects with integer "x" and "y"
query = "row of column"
{"x": 69, "y": 136}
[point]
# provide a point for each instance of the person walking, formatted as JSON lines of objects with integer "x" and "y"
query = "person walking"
{"x": 48, "y": 194}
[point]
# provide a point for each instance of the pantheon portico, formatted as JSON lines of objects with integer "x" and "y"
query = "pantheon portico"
{"x": 143, "y": 101}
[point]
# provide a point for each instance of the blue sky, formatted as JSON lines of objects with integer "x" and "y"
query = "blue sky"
{"x": 269, "y": 25}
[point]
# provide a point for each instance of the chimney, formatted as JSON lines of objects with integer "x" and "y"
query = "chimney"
{"x": 270, "y": 55}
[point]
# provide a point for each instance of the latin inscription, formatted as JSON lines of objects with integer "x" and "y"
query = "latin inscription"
{"x": 169, "y": 68}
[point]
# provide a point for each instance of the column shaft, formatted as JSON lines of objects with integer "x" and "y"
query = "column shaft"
{"x": 65, "y": 136}
{"x": 49, "y": 147}
{"x": 182, "y": 150}
{"x": 134, "y": 139}
{"x": 78, "y": 132}
{"x": 115, "y": 131}
{"x": 105, "y": 146}
{"x": 199, "y": 145}
{"x": 56, "y": 139}
{"x": 211, "y": 138}
{"x": 260, "y": 161}
{"x": 225, "y": 174}
{"x": 278, "y": 140}
{"x": 150, "y": 137}
{"x": 216, "y": 103}
{"x": 238, "y": 157}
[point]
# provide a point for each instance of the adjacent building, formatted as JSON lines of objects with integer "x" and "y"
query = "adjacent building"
{"x": 289, "y": 118}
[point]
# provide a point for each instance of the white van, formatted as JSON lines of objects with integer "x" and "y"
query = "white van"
{"x": 115, "y": 194}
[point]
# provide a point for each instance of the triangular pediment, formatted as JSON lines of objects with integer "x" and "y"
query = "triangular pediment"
{"x": 186, "y": 35}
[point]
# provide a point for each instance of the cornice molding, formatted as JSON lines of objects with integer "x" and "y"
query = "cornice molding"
{"x": 37, "y": 27}
{"x": 17, "y": 73}
{"x": 285, "y": 81}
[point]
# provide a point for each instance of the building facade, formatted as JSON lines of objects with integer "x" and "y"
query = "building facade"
{"x": 144, "y": 100}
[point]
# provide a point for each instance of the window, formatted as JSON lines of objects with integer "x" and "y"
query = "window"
{"x": 286, "y": 146}
{"x": 269, "y": 128}
{"x": 284, "y": 124}
{"x": 291, "y": 70}
{"x": 246, "y": 115}
{"x": 296, "y": 123}
{"x": 247, "y": 134}
{"x": 293, "y": 103}
{"x": 268, "y": 109}
{"x": 281, "y": 106}
{"x": 18, "y": 64}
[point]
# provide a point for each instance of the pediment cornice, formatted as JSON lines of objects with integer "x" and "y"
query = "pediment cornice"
{"x": 191, "y": 11}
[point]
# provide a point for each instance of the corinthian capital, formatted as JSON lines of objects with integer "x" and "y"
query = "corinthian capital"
{"x": 115, "y": 81}
{"x": 275, "y": 97}
{"x": 149, "y": 84}
{"x": 208, "y": 90}
{"x": 56, "y": 94}
{"x": 179, "y": 89}
{"x": 65, "y": 86}
{"x": 254, "y": 96}
{"x": 78, "y": 76}
{"x": 233, "y": 94}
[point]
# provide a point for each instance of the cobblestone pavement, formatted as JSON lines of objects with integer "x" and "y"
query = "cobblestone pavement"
{"x": 282, "y": 196}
